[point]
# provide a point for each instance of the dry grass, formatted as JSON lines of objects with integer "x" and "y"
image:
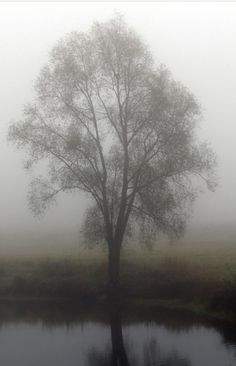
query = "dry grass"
{"x": 200, "y": 274}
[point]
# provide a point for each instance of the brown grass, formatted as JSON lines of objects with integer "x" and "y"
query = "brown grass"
{"x": 199, "y": 274}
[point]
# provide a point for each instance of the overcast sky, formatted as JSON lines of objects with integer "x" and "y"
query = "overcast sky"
{"x": 196, "y": 41}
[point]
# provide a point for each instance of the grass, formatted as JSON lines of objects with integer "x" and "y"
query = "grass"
{"x": 203, "y": 277}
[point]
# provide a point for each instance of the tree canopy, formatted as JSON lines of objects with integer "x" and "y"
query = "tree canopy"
{"x": 111, "y": 122}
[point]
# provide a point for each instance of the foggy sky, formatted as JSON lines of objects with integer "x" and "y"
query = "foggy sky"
{"x": 196, "y": 41}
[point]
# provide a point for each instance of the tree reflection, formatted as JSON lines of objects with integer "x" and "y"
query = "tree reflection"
{"x": 152, "y": 356}
{"x": 116, "y": 354}
{"x": 121, "y": 354}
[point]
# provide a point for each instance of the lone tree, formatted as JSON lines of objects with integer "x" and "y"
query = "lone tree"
{"x": 113, "y": 124}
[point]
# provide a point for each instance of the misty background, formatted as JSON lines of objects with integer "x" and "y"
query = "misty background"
{"x": 197, "y": 43}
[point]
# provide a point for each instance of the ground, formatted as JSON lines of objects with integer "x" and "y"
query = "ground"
{"x": 198, "y": 276}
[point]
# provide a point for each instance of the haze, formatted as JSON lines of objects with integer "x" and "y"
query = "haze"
{"x": 196, "y": 41}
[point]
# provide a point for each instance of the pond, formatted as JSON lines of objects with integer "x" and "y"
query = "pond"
{"x": 62, "y": 334}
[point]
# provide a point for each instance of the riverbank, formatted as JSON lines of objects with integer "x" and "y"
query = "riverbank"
{"x": 202, "y": 279}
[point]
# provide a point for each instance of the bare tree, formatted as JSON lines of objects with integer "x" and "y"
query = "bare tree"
{"x": 113, "y": 124}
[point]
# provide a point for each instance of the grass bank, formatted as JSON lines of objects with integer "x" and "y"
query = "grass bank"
{"x": 199, "y": 277}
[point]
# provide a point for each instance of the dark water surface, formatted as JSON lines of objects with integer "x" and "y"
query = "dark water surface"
{"x": 49, "y": 334}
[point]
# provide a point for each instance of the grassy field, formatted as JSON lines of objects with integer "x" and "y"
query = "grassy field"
{"x": 203, "y": 275}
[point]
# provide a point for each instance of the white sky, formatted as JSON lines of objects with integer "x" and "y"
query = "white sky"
{"x": 196, "y": 41}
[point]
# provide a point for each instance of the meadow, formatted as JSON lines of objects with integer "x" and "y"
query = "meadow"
{"x": 199, "y": 276}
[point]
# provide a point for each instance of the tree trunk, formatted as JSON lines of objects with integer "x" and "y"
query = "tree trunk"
{"x": 114, "y": 267}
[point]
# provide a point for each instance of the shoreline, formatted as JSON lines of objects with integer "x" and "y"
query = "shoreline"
{"x": 127, "y": 303}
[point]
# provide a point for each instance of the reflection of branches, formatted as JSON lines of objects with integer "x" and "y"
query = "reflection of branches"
{"x": 116, "y": 355}
{"x": 120, "y": 353}
{"x": 108, "y": 357}
{"x": 96, "y": 358}
{"x": 175, "y": 360}
{"x": 153, "y": 356}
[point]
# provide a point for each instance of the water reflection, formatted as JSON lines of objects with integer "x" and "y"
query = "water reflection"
{"x": 121, "y": 354}
{"x": 116, "y": 356}
{"x": 153, "y": 356}
{"x": 67, "y": 334}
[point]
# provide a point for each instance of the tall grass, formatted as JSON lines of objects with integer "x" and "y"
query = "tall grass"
{"x": 190, "y": 273}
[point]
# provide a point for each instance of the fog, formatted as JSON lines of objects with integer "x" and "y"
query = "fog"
{"x": 196, "y": 41}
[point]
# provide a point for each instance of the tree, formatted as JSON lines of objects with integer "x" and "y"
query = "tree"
{"x": 111, "y": 123}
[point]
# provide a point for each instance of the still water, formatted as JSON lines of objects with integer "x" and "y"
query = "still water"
{"x": 65, "y": 335}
